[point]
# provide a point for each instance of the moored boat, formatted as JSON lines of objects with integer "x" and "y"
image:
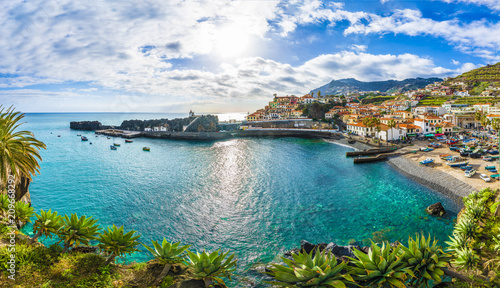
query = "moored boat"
{"x": 128, "y": 141}
{"x": 84, "y": 138}
{"x": 116, "y": 144}
{"x": 112, "y": 147}
{"x": 146, "y": 149}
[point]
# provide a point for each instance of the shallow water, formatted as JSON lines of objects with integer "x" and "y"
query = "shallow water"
{"x": 257, "y": 197}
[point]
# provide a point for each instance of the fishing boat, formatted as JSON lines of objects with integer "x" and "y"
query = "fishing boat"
{"x": 146, "y": 149}
{"x": 495, "y": 176}
{"x": 444, "y": 156}
{"x": 466, "y": 167}
{"x": 426, "y": 149}
{"x": 487, "y": 158}
{"x": 451, "y": 141}
{"x": 490, "y": 167}
{"x": 84, "y": 138}
{"x": 427, "y": 161}
{"x": 453, "y": 148}
{"x": 116, "y": 144}
{"x": 112, "y": 147}
{"x": 456, "y": 161}
{"x": 495, "y": 157}
{"x": 128, "y": 141}
{"x": 493, "y": 152}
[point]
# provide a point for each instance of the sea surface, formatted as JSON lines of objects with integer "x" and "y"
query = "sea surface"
{"x": 257, "y": 197}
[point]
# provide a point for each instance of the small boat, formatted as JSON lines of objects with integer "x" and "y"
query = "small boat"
{"x": 146, "y": 149}
{"x": 90, "y": 143}
{"x": 96, "y": 135}
{"x": 58, "y": 135}
{"x": 444, "y": 156}
{"x": 109, "y": 137}
{"x": 493, "y": 152}
{"x": 78, "y": 134}
{"x": 495, "y": 157}
{"x": 427, "y": 161}
{"x": 128, "y": 141}
{"x": 456, "y": 161}
{"x": 490, "y": 167}
{"x": 452, "y": 141}
{"x": 116, "y": 144}
{"x": 453, "y": 148}
{"x": 466, "y": 167}
{"x": 426, "y": 149}
{"x": 493, "y": 171}
{"x": 84, "y": 138}
{"x": 495, "y": 176}
{"x": 112, "y": 147}
{"x": 487, "y": 158}
{"x": 469, "y": 173}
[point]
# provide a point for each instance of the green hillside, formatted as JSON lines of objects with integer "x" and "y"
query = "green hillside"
{"x": 488, "y": 73}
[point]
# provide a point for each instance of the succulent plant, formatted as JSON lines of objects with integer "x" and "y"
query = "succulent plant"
{"x": 4, "y": 204}
{"x": 467, "y": 227}
{"x": 381, "y": 267}
{"x": 210, "y": 267}
{"x": 76, "y": 231}
{"x": 46, "y": 223}
{"x": 465, "y": 259}
{"x": 114, "y": 242}
{"x": 307, "y": 271}
{"x": 23, "y": 212}
{"x": 425, "y": 260}
{"x": 168, "y": 254}
{"x": 457, "y": 241}
{"x": 476, "y": 211}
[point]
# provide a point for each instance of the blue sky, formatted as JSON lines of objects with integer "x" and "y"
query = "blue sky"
{"x": 227, "y": 56}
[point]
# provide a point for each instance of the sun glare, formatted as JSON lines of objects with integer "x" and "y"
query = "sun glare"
{"x": 231, "y": 42}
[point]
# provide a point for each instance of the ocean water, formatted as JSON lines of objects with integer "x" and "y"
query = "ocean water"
{"x": 257, "y": 197}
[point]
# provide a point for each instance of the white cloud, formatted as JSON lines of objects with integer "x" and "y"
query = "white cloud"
{"x": 492, "y": 4}
{"x": 455, "y": 62}
{"x": 360, "y": 48}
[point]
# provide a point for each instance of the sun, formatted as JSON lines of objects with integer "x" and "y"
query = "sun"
{"x": 231, "y": 42}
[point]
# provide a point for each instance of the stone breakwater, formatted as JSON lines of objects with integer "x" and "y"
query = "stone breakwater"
{"x": 432, "y": 178}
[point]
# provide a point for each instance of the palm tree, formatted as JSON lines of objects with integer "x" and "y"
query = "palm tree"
{"x": 114, "y": 242}
{"x": 18, "y": 151}
{"x": 391, "y": 124}
{"x": 77, "y": 230}
{"x": 46, "y": 223}
{"x": 478, "y": 116}
{"x": 168, "y": 254}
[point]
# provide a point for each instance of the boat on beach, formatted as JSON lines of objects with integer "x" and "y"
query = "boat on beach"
{"x": 456, "y": 161}
{"x": 487, "y": 158}
{"x": 466, "y": 167}
{"x": 427, "y": 161}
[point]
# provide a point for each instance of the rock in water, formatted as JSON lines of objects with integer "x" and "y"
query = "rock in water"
{"x": 436, "y": 209}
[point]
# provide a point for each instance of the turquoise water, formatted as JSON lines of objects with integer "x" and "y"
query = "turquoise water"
{"x": 257, "y": 197}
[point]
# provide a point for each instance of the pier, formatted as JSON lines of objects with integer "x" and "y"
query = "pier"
{"x": 370, "y": 151}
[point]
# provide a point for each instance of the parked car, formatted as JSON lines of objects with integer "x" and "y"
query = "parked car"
{"x": 470, "y": 173}
{"x": 485, "y": 177}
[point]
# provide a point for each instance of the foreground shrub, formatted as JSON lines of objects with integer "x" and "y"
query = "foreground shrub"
{"x": 76, "y": 231}
{"x": 210, "y": 267}
{"x": 465, "y": 259}
{"x": 307, "y": 271}
{"x": 380, "y": 267}
{"x": 168, "y": 254}
{"x": 425, "y": 260}
{"x": 113, "y": 242}
{"x": 46, "y": 224}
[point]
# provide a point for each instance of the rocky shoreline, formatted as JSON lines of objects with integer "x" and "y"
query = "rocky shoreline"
{"x": 434, "y": 179}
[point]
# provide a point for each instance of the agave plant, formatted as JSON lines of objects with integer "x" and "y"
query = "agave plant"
{"x": 465, "y": 259}
{"x": 23, "y": 213}
{"x": 46, "y": 223}
{"x": 380, "y": 267}
{"x": 168, "y": 254}
{"x": 76, "y": 231}
{"x": 457, "y": 241}
{"x": 496, "y": 245}
{"x": 210, "y": 267}
{"x": 467, "y": 227}
{"x": 4, "y": 204}
{"x": 425, "y": 260}
{"x": 307, "y": 271}
{"x": 114, "y": 242}
{"x": 476, "y": 211}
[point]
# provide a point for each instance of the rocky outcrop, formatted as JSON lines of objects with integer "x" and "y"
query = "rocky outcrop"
{"x": 340, "y": 252}
{"x": 86, "y": 125}
{"x": 436, "y": 209}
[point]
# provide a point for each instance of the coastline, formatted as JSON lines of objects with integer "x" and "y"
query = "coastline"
{"x": 436, "y": 180}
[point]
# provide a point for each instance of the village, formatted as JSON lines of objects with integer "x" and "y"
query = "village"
{"x": 402, "y": 118}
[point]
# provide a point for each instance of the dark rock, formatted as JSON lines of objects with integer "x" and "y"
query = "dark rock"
{"x": 84, "y": 249}
{"x": 365, "y": 249}
{"x": 342, "y": 251}
{"x": 86, "y": 125}
{"x": 189, "y": 284}
{"x": 308, "y": 247}
{"x": 436, "y": 209}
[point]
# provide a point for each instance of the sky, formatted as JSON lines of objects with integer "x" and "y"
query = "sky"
{"x": 227, "y": 56}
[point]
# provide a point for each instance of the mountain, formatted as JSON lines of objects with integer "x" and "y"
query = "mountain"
{"x": 488, "y": 73}
{"x": 351, "y": 85}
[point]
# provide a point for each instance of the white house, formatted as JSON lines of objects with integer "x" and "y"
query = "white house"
{"x": 387, "y": 133}
{"x": 360, "y": 129}
{"x": 436, "y": 110}
{"x": 147, "y": 129}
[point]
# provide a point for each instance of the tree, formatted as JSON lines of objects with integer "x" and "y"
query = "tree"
{"x": 391, "y": 124}
{"x": 77, "y": 230}
{"x": 19, "y": 151}
{"x": 114, "y": 242}
{"x": 478, "y": 116}
{"x": 46, "y": 223}
{"x": 319, "y": 94}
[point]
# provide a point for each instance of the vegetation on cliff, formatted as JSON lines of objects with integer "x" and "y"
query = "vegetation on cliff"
{"x": 488, "y": 73}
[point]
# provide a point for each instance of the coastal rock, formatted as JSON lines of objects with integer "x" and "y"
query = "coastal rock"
{"x": 86, "y": 125}
{"x": 308, "y": 247}
{"x": 189, "y": 284}
{"x": 436, "y": 209}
